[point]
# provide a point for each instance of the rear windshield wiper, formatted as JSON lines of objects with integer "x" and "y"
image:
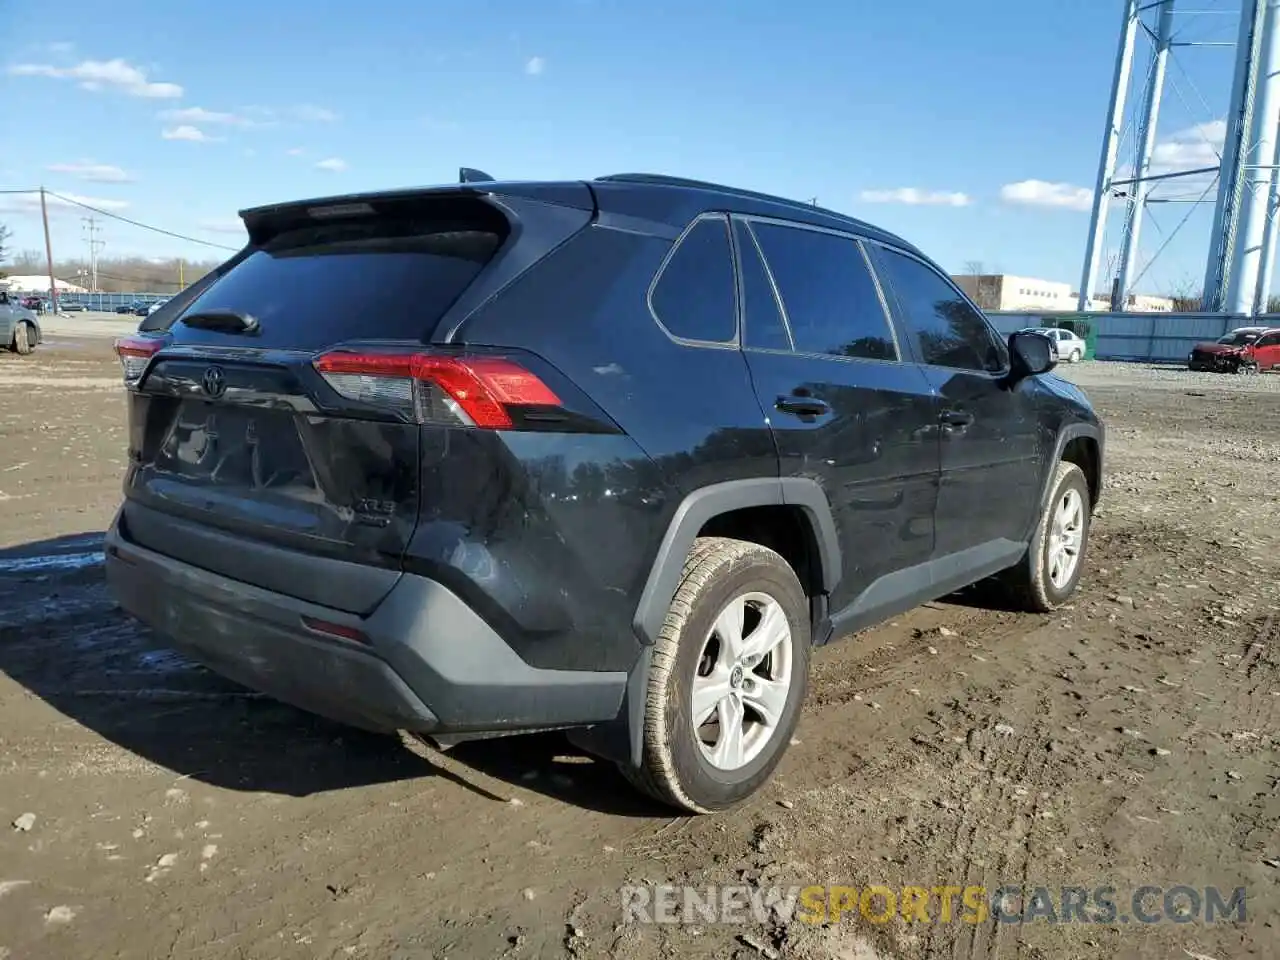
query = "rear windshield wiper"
{"x": 225, "y": 321}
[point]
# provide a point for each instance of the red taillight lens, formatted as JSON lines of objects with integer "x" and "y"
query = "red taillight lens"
{"x": 135, "y": 353}
{"x": 469, "y": 390}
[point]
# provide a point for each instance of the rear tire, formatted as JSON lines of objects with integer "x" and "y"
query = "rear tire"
{"x": 1048, "y": 574}
{"x": 1076, "y": 356}
{"x": 22, "y": 338}
{"x": 735, "y": 648}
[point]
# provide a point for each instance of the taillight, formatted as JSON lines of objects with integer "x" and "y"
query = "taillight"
{"x": 135, "y": 353}
{"x": 432, "y": 388}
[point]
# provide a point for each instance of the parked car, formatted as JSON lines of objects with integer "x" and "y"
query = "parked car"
{"x": 19, "y": 327}
{"x": 546, "y": 497}
{"x": 1228, "y": 354}
{"x": 71, "y": 306}
{"x": 126, "y": 308}
{"x": 1066, "y": 344}
{"x": 156, "y": 306}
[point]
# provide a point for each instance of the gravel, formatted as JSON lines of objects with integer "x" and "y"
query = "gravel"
{"x": 1163, "y": 376}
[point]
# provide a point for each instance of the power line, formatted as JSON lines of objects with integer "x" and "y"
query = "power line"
{"x": 144, "y": 226}
{"x": 133, "y": 223}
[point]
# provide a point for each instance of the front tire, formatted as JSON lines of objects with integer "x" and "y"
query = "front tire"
{"x": 22, "y": 339}
{"x": 1075, "y": 357}
{"x": 727, "y": 678}
{"x": 1048, "y": 574}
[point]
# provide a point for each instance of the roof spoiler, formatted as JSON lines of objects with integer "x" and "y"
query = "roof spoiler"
{"x": 472, "y": 175}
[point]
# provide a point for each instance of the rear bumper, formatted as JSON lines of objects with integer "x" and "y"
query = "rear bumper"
{"x": 431, "y": 664}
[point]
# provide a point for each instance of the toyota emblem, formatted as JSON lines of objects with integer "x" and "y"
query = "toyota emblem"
{"x": 214, "y": 382}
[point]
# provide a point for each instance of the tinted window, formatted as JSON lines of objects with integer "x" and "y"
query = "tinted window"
{"x": 390, "y": 278}
{"x": 828, "y": 293}
{"x": 950, "y": 332}
{"x": 762, "y": 322}
{"x": 694, "y": 297}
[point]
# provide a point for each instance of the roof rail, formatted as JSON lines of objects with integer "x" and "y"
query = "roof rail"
{"x": 660, "y": 179}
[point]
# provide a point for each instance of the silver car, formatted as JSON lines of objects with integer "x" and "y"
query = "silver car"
{"x": 19, "y": 328}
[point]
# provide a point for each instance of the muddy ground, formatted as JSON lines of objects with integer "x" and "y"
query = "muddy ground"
{"x": 1129, "y": 739}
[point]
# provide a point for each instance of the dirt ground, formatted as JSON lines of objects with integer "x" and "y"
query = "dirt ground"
{"x": 1129, "y": 739}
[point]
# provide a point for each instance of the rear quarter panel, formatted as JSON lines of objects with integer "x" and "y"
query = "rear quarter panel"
{"x": 688, "y": 417}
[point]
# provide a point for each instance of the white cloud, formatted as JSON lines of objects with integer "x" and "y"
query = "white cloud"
{"x": 1042, "y": 193}
{"x": 211, "y": 117}
{"x": 914, "y": 196}
{"x": 332, "y": 164}
{"x": 232, "y": 225}
{"x": 295, "y": 152}
{"x": 1190, "y": 149}
{"x": 188, "y": 133}
{"x": 310, "y": 113}
{"x": 61, "y": 46}
{"x": 29, "y": 203}
{"x": 92, "y": 172}
{"x": 535, "y": 66}
{"x": 117, "y": 75}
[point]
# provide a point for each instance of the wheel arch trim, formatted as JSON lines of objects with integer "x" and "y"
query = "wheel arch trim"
{"x": 1069, "y": 432}
{"x": 708, "y": 502}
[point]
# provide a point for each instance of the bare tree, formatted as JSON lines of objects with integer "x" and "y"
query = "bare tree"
{"x": 1186, "y": 298}
{"x": 116, "y": 274}
{"x": 5, "y": 234}
{"x": 986, "y": 288}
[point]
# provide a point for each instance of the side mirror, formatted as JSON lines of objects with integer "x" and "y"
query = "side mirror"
{"x": 1031, "y": 353}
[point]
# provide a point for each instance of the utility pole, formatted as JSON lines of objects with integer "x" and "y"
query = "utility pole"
{"x": 182, "y": 284}
{"x": 48, "y": 251}
{"x": 91, "y": 228}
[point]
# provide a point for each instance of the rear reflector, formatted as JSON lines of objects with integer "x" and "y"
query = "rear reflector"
{"x": 464, "y": 391}
{"x": 135, "y": 353}
{"x": 330, "y": 629}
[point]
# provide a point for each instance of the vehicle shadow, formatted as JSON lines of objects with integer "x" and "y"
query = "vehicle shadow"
{"x": 64, "y": 639}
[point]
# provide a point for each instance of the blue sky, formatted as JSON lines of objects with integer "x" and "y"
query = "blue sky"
{"x": 928, "y": 118}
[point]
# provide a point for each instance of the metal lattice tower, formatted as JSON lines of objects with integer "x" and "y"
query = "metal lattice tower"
{"x": 1243, "y": 238}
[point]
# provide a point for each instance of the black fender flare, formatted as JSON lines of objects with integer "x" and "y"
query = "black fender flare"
{"x": 708, "y": 502}
{"x": 1067, "y": 433}
{"x": 694, "y": 511}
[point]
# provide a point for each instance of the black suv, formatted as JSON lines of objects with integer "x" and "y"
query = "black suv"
{"x": 610, "y": 456}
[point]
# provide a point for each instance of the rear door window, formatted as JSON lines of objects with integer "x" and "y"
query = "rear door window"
{"x": 830, "y": 297}
{"x": 384, "y": 277}
{"x": 694, "y": 297}
{"x": 763, "y": 326}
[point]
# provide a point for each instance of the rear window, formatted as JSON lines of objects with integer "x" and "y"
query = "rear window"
{"x": 376, "y": 278}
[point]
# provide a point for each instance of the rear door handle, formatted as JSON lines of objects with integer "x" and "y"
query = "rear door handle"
{"x": 956, "y": 418}
{"x": 803, "y": 406}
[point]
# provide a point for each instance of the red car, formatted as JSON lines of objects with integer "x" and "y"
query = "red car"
{"x": 1244, "y": 350}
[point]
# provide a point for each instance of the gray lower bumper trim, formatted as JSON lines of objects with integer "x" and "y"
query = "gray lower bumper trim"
{"x": 431, "y": 664}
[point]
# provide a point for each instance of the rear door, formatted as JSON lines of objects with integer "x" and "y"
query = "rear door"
{"x": 845, "y": 408}
{"x": 233, "y": 430}
{"x": 990, "y": 445}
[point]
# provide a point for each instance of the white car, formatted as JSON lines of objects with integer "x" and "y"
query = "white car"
{"x": 1069, "y": 347}
{"x": 156, "y": 306}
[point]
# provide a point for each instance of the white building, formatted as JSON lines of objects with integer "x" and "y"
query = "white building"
{"x": 39, "y": 284}
{"x": 1003, "y": 291}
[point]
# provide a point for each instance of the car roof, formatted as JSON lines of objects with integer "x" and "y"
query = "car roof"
{"x": 671, "y": 200}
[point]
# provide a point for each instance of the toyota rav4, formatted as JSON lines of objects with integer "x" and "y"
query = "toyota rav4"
{"x": 609, "y": 456}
